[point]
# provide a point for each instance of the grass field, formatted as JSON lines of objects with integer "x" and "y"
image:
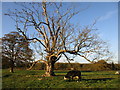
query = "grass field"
{"x": 33, "y": 79}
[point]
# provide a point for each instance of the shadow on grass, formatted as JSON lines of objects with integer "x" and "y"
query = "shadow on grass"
{"x": 8, "y": 75}
{"x": 98, "y": 79}
{"x": 65, "y": 74}
{"x": 91, "y": 80}
{"x": 87, "y": 71}
{"x": 61, "y": 72}
{"x": 59, "y": 75}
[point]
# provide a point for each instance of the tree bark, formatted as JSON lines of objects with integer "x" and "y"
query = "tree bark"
{"x": 12, "y": 69}
{"x": 12, "y": 66}
{"x": 50, "y": 69}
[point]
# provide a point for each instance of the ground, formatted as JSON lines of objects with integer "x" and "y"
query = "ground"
{"x": 33, "y": 79}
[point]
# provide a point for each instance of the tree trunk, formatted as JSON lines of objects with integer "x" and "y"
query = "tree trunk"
{"x": 50, "y": 69}
{"x": 12, "y": 66}
{"x": 11, "y": 69}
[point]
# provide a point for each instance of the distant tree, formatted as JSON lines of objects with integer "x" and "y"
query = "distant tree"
{"x": 56, "y": 35}
{"x": 113, "y": 67}
{"x": 101, "y": 65}
{"x": 101, "y": 62}
{"x": 15, "y": 49}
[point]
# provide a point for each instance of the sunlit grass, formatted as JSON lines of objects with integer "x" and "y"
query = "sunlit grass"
{"x": 33, "y": 79}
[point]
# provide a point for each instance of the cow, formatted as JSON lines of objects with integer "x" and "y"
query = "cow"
{"x": 74, "y": 74}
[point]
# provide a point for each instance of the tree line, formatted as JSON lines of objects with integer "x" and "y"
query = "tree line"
{"x": 98, "y": 66}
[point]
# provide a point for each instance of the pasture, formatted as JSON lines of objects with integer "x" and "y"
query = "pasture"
{"x": 33, "y": 79}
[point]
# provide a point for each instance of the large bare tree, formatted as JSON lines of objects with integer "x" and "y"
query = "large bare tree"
{"x": 51, "y": 26}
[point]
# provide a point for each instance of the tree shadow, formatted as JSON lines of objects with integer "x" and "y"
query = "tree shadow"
{"x": 98, "y": 79}
{"x": 61, "y": 72}
{"x": 87, "y": 71}
{"x": 59, "y": 75}
{"x": 91, "y": 80}
{"x": 8, "y": 75}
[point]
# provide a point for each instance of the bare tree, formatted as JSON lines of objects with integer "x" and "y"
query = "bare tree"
{"x": 51, "y": 26}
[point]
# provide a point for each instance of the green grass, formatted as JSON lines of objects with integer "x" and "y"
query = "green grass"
{"x": 33, "y": 79}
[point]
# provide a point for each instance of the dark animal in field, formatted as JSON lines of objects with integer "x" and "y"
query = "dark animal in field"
{"x": 74, "y": 74}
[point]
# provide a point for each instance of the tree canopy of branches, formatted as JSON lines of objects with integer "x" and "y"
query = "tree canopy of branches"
{"x": 15, "y": 49}
{"x": 50, "y": 23}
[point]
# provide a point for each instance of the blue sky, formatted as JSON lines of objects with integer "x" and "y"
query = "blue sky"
{"x": 106, "y": 14}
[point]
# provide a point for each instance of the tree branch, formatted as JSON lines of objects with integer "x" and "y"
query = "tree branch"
{"x": 28, "y": 38}
{"x": 35, "y": 63}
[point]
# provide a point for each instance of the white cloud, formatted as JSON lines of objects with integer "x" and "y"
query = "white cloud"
{"x": 108, "y": 15}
